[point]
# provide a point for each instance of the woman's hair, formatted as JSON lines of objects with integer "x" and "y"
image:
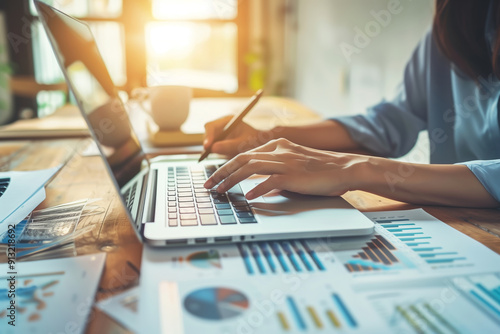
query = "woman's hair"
{"x": 459, "y": 31}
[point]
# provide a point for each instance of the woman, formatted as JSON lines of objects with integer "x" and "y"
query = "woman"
{"x": 451, "y": 87}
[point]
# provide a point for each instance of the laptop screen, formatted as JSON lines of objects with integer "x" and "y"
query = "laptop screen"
{"x": 94, "y": 91}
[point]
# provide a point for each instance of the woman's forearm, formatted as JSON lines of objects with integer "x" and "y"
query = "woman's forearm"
{"x": 325, "y": 135}
{"x": 453, "y": 185}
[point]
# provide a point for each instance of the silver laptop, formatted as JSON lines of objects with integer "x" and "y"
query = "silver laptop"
{"x": 165, "y": 200}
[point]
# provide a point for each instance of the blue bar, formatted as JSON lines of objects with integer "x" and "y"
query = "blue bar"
{"x": 444, "y": 260}
{"x": 246, "y": 260}
{"x": 491, "y": 294}
{"x": 276, "y": 250}
{"x": 417, "y": 243}
{"x": 407, "y": 234}
{"x": 485, "y": 302}
{"x": 437, "y": 254}
{"x": 269, "y": 258}
{"x": 296, "y": 313}
{"x": 391, "y": 221}
{"x": 344, "y": 310}
{"x": 258, "y": 259}
{"x": 313, "y": 255}
{"x": 413, "y": 239}
{"x": 291, "y": 256}
{"x": 402, "y": 229}
{"x": 397, "y": 225}
{"x": 302, "y": 256}
{"x": 428, "y": 249}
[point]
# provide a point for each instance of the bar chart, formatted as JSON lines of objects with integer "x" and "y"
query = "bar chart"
{"x": 464, "y": 304}
{"x": 280, "y": 257}
{"x": 421, "y": 242}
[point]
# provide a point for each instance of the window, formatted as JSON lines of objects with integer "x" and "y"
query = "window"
{"x": 198, "y": 43}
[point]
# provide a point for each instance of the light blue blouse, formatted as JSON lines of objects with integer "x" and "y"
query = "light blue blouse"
{"x": 461, "y": 116}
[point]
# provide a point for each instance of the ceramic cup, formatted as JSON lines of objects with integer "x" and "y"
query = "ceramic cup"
{"x": 168, "y": 106}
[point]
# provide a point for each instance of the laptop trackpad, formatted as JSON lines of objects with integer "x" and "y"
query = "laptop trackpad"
{"x": 279, "y": 203}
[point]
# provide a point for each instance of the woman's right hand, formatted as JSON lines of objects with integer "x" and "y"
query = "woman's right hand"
{"x": 243, "y": 138}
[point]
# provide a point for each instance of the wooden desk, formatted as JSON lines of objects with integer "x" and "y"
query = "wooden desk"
{"x": 85, "y": 177}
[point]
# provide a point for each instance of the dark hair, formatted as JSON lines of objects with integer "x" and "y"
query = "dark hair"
{"x": 459, "y": 31}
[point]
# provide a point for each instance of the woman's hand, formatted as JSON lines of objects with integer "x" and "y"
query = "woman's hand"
{"x": 242, "y": 139}
{"x": 291, "y": 167}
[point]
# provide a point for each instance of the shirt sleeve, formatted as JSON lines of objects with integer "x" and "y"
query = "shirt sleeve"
{"x": 391, "y": 128}
{"x": 488, "y": 173}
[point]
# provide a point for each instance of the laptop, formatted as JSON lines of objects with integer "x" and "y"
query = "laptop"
{"x": 165, "y": 200}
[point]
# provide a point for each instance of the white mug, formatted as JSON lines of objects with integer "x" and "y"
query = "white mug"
{"x": 168, "y": 106}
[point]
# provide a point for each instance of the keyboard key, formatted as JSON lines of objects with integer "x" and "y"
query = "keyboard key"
{"x": 201, "y": 190}
{"x": 186, "y": 205}
{"x": 225, "y": 212}
{"x": 238, "y": 204}
{"x": 184, "y": 186}
{"x": 188, "y": 216}
{"x": 227, "y": 220}
{"x": 185, "y": 194}
{"x": 222, "y": 206}
{"x": 172, "y": 222}
{"x": 185, "y": 190}
{"x": 242, "y": 209}
{"x": 189, "y": 222}
{"x": 202, "y": 195}
{"x": 172, "y": 209}
{"x": 203, "y": 200}
{"x": 172, "y": 216}
{"x": 171, "y": 198}
{"x": 244, "y": 214}
{"x": 205, "y": 211}
{"x": 185, "y": 199}
{"x": 205, "y": 205}
{"x": 187, "y": 210}
{"x": 183, "y": 181}
{"x": 248, "y": 220}
{"x": 171, "y": 184}
{"x": 172, "y": 204}
{"x": 208, "y": 220}
{"x": 171, "y": 188}
{"x": 171, "y": 193}
{"x": 220, "y": 200}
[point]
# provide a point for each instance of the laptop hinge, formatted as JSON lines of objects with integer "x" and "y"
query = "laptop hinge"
{"x": 151, "y": 200}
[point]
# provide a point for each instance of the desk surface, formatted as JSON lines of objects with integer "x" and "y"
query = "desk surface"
{"x": 85, "y": 177}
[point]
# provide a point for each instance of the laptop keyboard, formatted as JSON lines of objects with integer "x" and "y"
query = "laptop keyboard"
{"x": 190, "y": 204}
{"x": 4, "y": 183}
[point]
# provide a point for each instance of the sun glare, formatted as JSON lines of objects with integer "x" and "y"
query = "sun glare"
{"x": 175, "y": 39}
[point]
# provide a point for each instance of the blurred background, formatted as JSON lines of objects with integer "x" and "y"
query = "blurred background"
{"x": 335, "y": 56}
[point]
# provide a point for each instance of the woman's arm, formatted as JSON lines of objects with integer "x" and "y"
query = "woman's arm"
{"x": 326, "y": 135}
{"x": 308, "y": 171}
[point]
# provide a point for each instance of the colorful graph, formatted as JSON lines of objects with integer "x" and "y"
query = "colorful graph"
{"x": 415, "y": 237}
{"x": 304, "y": 316}
{"x": 32, "y": 293}
{"x": 205, "y": 260}
{"x": 483, "y": 290}
{"x": 216, "y": 303}
{"x": 276, "y": 257}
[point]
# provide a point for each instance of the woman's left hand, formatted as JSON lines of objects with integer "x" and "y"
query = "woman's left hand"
{"x": 291, "y": 167}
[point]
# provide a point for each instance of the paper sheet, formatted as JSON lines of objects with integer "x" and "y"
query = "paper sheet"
{"x": 410, "y": 254}
{"x": 51, "y": 296}
{"x": 123, "y": 308}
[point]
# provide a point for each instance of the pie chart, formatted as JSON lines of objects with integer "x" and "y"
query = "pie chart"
{"x": 205, "y": 260}
{"x": 216, "y": 303}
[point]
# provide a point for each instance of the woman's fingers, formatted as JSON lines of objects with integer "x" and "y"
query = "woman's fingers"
{"x": 273, "y": 182}
{"x": 249, "y": 169}
{"x": 236, "y": 163}
{"x": 212, "y": 129}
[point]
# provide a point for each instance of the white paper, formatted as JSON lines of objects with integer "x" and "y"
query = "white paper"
{"x": 51, "y": 296}
{"x": 24, "y": 192}
{"x": 123, "y": 308}
{"x": 437, "y": 257}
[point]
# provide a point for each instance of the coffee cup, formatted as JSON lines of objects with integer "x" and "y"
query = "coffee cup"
{"x": 168, "y": 106}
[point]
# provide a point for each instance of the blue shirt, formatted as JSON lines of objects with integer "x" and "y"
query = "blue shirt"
{"x": 461, "y": 115}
